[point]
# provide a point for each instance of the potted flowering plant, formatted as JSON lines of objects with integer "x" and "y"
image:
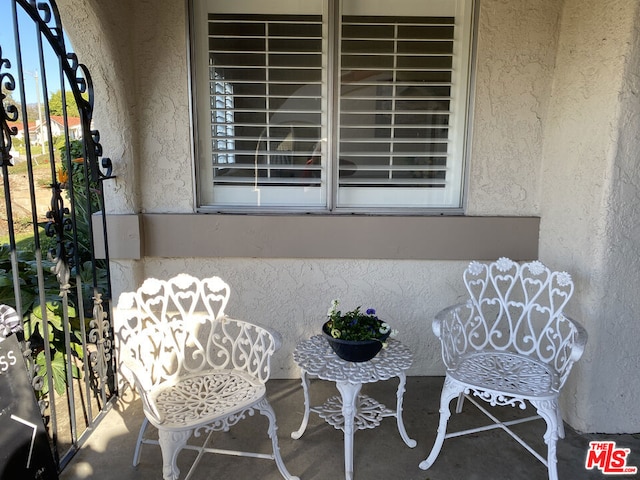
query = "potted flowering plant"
{"x": 356, "y": 336}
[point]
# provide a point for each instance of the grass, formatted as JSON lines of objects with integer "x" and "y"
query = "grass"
{"x": 40, "y": 162}
{"x": 24, "y": 241}
{"x": 23, "y": 223}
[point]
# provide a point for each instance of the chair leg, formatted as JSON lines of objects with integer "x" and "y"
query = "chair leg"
{"x": 136, "y": 454}
{"x": 548, "y": 409}
{"x": 267, "y": 411}
{"x": 450, "y": 390}
{"x": 560, "y": 423}
{"x": 171, "y": 442}
{"x": 460, "y": 402}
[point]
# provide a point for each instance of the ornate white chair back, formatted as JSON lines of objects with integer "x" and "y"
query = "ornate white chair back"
{"x": 515, "y": 308}
{"x": 175, "y": 327}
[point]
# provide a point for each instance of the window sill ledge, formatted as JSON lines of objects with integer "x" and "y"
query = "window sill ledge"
{"x": 314, "y": 236}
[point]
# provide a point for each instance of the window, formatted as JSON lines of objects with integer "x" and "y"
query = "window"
{"x": 330, "y": 105}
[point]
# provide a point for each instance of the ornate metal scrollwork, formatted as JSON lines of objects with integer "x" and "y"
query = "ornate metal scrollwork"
{"x": 99, "y": 335}
{"x": 8, "y": 114}
{"x": 63, "y": 255}
{"x": 369, "y": 413}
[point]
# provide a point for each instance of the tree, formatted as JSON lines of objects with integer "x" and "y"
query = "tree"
{"x": 55, "y": 104}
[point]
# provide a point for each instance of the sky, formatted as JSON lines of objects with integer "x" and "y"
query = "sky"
{"x": 29, "y": 50}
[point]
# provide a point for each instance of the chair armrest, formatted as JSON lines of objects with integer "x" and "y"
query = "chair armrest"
{"x": 579, "y": 341}
{"x": 451, "y": 330}
{"x": 277, "y": 337}
{"x": 244, "y": 345}
{"x": 442, "y": 315}
{"x": 148, "y": 405}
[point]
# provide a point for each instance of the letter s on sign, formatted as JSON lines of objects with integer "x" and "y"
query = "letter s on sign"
{"x": 12, "y": 358}
{"x": 7, "y": 361}
{"x": 4, "y": 365}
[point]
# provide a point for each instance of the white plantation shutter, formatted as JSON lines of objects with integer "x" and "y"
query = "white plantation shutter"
{"x": 393, "y": 95}
{"x": 265, "y": 105}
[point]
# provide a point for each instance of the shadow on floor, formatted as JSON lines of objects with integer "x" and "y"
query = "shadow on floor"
{"x": 379, "y": 453}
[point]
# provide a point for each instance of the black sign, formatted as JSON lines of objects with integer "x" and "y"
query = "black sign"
{"x": 25, "y": 452}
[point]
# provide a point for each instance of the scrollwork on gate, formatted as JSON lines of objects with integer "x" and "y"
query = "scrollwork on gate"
{"x": 8, "y": 114}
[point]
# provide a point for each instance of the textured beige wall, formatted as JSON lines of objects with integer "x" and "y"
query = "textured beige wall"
{"x": 102, "y": 38}
{"x": 555, "y": 82}
{"x": 515, "y": 60}
{"x": 591, "y": 204}
{"x": 162, "y": 106}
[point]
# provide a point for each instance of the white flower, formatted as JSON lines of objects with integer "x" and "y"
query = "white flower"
{"x": 335, "y": 333}
{"x": 564, "y": 279}
{"x": 475, "y": 268}
{"x": 127, "y": 300}
{"x": 384, "y": 328}
{"x": 332, "y": 308}
{"x": 504, "y": 264}
{"x": 536, "y": 267}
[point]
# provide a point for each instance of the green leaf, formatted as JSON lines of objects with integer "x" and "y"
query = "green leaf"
{"x": 54, "y": 314}
{"x": 77, "y": 350}
{"x": 58, "y": 372}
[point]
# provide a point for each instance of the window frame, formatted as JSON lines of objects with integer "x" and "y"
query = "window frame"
{"x": 464, "y": 39}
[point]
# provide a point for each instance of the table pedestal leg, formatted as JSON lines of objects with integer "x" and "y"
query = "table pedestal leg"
{"x": 349, "y": 392}
{"x": 400, "y": 395}
{"x": 305, "y": 419}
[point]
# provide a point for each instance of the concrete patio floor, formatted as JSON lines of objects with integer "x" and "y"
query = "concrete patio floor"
{"x": 379, "y": 453}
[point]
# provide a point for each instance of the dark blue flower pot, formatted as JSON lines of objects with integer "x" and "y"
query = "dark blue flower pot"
{"x": 354, "y": 350}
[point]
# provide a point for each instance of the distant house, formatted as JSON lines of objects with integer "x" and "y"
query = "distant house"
{"x": 20, "y": 127}
{"x": 57, "y": 127}
{"x": 37, "y": 134}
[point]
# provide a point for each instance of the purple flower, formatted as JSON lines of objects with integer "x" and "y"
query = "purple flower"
{"x": 371, "y": 311}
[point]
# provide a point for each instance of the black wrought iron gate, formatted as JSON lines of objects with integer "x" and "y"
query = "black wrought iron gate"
{"x": 52, "y": 177}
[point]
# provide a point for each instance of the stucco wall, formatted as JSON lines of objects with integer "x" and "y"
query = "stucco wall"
{"x": 103, "y": 41}
{"x": 515, "y": 60}
{"x": 142, "y": 88}
{"x": 162, "y": 106}
{"x": 590, "y": 209}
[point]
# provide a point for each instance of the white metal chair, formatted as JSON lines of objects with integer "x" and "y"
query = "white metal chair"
{"x": 196, "y": 370}
{"x": 509, "y": 344}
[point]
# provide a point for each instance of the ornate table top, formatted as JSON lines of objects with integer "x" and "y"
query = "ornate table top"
{"x": 316, "y": 357}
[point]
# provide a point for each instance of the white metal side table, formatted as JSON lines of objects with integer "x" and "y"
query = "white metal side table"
{"x": 352, "y": 411}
